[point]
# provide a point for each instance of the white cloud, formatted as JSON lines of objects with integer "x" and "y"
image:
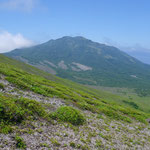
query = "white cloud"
{"x": 23, "y": 5}
{"x": 9, "y": 41}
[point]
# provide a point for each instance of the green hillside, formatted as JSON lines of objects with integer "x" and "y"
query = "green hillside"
{"x": 35, "y": 106}
{"x": 86, "y": 62}
{"x": 103, "y": 94}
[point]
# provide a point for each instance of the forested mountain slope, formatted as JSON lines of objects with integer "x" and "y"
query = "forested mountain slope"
{"x": 86, "y": 62}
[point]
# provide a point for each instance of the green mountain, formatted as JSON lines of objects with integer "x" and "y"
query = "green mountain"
{"x": 86, "y": 62}
{"x": 41, "y": 111}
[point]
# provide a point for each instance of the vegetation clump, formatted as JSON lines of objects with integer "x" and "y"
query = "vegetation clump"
{"x": 5, "y": 129}
{"x": 133, "y": 104}
{"x": 69, "y": 114}
{"x": 20, "y": 142}
{"x": 14, "y": 110}
{"x": 55, "y": 142}
{"x": 72, "y": 144}
{"x": 2, "y": 86}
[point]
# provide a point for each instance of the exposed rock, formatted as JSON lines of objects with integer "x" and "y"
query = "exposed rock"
{"x": 62, "y": 65}
{"x": 82, "y": 67}
{"x": 50, "y": 63}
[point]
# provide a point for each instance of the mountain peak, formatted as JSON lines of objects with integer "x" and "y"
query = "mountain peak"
{"x": 73, "y": 37}
{"x": 85, "y": 61}
{"x": 70, "y": 38}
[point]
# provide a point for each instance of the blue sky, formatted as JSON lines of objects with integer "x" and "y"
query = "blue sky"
{"x": 116, "y": 22}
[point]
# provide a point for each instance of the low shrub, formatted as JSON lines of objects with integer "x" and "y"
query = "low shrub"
{"x": 14, "y": 110}
{"x": 69, "y": 114}
{"x": 2, "y": 86}
{"x": 72, "y": 144}
{"x": 132, "y": 104}
{"x": 5, "y": 129}
{"x": 20, "y": 142}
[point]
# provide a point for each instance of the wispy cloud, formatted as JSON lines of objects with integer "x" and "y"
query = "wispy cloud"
{"x": 125, "y": 46}
{"x": 22, "y": 5}
{"x": 136, "y": 50}
{"x": 10, "y": 41}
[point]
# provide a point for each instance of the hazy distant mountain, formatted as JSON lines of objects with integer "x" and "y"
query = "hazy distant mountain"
{"x": 87, "y": 62}
{"x": 142, "y": 56}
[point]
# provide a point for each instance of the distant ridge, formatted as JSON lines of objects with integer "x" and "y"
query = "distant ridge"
{"x": 86, "y": 62}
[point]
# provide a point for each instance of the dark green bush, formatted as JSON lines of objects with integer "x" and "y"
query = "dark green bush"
{"x": 72, "y": 144}
{"x": 5, "y": 129}
{"x": 15, "y": 110}
{"x": 20, "y": 142}
{"x": 69, "y": 114}
{"x": 2, "y": 86}
{"x": 133, "y": 104}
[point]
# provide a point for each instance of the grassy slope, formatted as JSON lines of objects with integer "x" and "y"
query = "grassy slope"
{"x": 109, "y": 96}
{"x": 33, "y": 70}
{"x": 107, "y": 126}
{"x": 143, "y": 103}
{"x": 127, "y": 94}
{"x": 78, "y": 95}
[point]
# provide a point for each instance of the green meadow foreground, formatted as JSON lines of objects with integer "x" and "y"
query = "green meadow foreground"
{"x": 41, "y": 111}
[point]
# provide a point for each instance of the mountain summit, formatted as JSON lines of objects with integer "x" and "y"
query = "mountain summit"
{"x": 87, "y": 62}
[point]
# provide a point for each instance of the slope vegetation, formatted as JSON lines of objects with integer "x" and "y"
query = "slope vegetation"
{"x": 38, "y": 113}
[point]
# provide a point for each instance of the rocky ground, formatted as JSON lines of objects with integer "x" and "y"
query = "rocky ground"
{"x": 99, "y": 132}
